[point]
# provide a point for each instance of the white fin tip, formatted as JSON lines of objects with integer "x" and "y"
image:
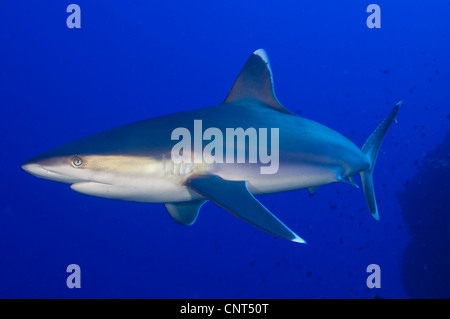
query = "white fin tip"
{"x": 262, "y": 54}
{"x": 297, "y": 239}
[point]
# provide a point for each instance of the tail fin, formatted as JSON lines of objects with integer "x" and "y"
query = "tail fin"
{"x": 370, "y": 149}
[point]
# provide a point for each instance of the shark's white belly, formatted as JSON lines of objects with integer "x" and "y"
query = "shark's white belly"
{"x": 158, "y": 191}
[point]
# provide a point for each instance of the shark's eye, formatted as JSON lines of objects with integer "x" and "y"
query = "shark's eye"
{"x": 77, "y": 161}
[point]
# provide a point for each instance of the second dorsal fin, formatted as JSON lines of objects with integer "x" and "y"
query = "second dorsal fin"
{"x": 255, "y": 82}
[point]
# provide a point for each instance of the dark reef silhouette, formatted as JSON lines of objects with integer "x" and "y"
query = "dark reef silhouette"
{"x": 425, "y": 203}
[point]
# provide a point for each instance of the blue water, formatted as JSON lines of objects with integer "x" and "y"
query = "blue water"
{"x": 133, "y": 60}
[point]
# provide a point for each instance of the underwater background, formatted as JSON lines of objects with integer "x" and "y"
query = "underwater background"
{"x": 133, "y": 60}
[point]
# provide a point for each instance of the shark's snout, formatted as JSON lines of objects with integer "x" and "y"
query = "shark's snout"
{"x": 40, "y": 170}
{"x": 32, "y": 168}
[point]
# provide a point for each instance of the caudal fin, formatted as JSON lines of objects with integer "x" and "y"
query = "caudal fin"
{"x": 371, "y": 148}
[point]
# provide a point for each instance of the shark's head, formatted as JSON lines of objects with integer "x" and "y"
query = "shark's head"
{"x": 100, "y": 158}
{"x": 112, "y": 165}
{"x": 80, "y": 167}
{"x": 117, "y": 164}
{"x": 67, "y": 163}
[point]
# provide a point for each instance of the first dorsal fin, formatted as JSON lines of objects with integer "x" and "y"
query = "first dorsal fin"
{"x": 255, "y": 82}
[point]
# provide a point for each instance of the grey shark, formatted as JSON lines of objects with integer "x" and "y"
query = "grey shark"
{"x": 134, "y": 162}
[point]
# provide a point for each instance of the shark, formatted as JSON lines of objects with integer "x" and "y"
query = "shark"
{"x": 135, "y": 162}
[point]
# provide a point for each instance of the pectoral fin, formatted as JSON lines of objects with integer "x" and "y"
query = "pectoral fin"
{"x": 235, "y": 198}
{"x": 184, "y": 213}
